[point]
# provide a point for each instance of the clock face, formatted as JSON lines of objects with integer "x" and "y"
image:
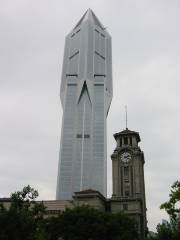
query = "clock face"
{"x": 125, "y": 157}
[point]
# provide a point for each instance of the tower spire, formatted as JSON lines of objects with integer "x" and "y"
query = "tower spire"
{"x": 90, "y": 16}
{"x": 126, "y": 116}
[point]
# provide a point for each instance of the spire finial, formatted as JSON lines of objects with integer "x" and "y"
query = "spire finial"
{"x": 126, "y": 116}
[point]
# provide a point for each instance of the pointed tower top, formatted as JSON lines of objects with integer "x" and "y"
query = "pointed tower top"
{"x": 90, "y": 16}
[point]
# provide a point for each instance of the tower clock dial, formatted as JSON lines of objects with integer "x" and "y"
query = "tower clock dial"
{"x": 125, "y": 157}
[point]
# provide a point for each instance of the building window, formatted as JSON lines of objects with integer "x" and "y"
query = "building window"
{"x": 130, "y": 141}
{"x": 99, "y": 55}
{"x": 77, "y": 52}
{"x": 78, "y": 30}
{"x": 126, "y": 193}
{"x": 99, "y": 75}
{"x": 98, "y": 84}
{"x": 72, "y": 84}
{"x": 72, "y": 75}
{"x": 125, "y": 206}
{"x": 72, "y": 35}
{"x": 53, "y": 212}
{"x": 120, "y": 142}
{"x": 79, "y": 135}
{"x": 86, "y": 136}
{"x": 126, "y": 172}
{"x": 125, "y": 140}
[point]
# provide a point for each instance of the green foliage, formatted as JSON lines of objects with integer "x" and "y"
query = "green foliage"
{"x": 171, "y": 230}
{"x": 85, "y": 222}
{"x": 24, "y": 220}
{"x": 120, "y": 226}
{"x": 82, "y": 223}
{"x": 171, "y": 206}
{"x": 164, "y": 231}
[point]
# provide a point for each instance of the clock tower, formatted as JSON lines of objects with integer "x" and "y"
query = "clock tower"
{"x": 128, "y": 178}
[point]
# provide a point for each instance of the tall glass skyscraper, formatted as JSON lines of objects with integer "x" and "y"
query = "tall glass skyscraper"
{"x": 86, "y": 93}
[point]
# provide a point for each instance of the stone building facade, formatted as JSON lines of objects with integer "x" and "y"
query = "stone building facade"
{"x": 128, "y": 178}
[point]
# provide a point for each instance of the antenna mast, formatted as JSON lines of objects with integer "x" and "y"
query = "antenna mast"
{"x": 126, "y": 116}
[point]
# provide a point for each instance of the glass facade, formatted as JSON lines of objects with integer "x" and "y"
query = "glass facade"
{"x": 86, "y": 94}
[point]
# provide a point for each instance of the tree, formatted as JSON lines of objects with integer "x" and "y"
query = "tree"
{"x": 24, "y": 218}
{"x": 171, "y": 206}
{"x": 164, "y": 231}
{"x": 171, "y": 230}
{"x": 88, "y": 223}
{"x": 120, "y": 226}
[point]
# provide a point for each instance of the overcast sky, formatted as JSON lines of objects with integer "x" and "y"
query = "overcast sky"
{"x": 146, "y": 78}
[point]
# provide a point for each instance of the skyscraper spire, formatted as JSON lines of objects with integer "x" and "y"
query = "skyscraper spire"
{"x": 89, "y": 16}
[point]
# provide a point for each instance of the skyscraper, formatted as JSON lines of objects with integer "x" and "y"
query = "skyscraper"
{"x": 86, "y": 93}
